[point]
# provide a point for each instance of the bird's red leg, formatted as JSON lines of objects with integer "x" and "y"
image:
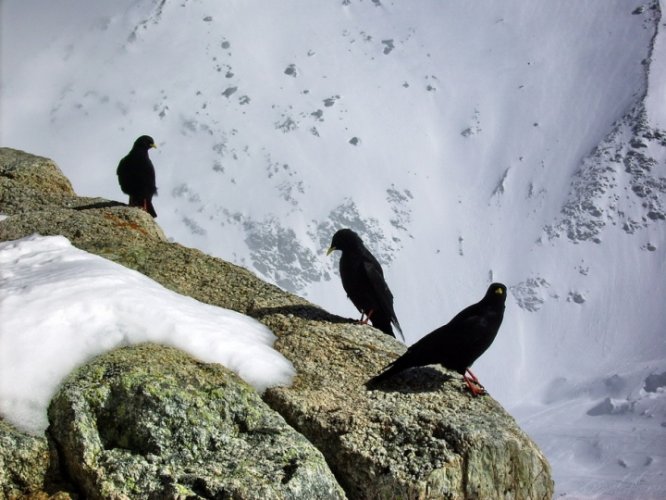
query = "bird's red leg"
{"x": 474, "y": 384}
{"x": 364, "y": 321}
{"x": 476, "y": 390}
{"x": 145, "y": 204}
{"x": 473, "y": 377}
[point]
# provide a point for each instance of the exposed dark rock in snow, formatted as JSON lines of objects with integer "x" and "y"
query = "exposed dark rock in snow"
{"x": 229, "y": 91}
{"x": 530, "y": 294}
{"x": 286, "y": 124}
{"x": 499, "y": 188}
{"x": 291, "y": 70}
{"x": 655, "y": 382}
{"x": 611, "y": 406}
{"x": 576, "y": 298}
{"x": 277, "y": 253}
{"x": 623, "y": 181}
{"x": 399, "y": 201}
{"x": 330, "y": 101}
{"x": 475, "y": 128}
{"x": 193, "y": 226}
{"x": 389, "y": 45}
{"x": 618, "y": 184}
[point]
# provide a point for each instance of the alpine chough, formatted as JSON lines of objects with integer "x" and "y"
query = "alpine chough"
{"x": 363, "y": 280}
{"x": 136, "y": 175}
{"x": 457, "y": 344}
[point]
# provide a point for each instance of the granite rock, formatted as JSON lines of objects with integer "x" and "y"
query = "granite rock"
{"x": 420, "y": 436}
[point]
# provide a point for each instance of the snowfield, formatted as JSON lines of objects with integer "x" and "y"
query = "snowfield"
{"x": 466, "y": 142}
{"x": 62, "y": 306}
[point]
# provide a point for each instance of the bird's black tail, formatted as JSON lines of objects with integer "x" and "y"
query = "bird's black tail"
{"x": 397, "y": 326}
{"x": 383, "y": 322}
{"x": 150, "y": 209}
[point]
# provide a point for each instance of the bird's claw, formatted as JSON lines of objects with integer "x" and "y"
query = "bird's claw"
{"x": 474, "y": 385}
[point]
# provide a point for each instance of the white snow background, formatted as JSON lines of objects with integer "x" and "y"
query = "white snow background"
{"x": 61, "y": 306}
{"x": 467, "y": 142}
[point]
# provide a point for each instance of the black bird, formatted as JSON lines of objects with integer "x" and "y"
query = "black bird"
{"x": 363, "y": 280}
{"x": 136, "y": 175}
{"x": 457, "y": 344}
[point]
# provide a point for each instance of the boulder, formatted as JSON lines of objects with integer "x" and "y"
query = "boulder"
{"x": 29, "y": 182}
{"x": 420, "y": 436}
{"x": 151, "y": 422}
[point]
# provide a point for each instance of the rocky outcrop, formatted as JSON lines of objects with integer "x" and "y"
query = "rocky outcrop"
{"x": 24, "y": 462}
{"x": 420, "y": 436}
{"x": 633, "y": 154}
{"x": 31, "y": 182}
{"x": 151, "y": 422}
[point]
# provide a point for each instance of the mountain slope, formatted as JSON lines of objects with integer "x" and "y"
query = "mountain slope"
{"x": 516, "y": 142}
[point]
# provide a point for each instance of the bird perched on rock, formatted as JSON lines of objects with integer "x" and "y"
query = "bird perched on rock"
{"x": 457, "y": 344}
{"x": 136, "y": 175}
{"x": 363, "y": 280}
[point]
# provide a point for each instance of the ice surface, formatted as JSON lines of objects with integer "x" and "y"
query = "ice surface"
{"x": 62, "y": 306}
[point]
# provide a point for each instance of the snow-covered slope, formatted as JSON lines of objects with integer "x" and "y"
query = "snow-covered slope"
{"x": 512, "y": 141}
{"x": 62, "y": 306}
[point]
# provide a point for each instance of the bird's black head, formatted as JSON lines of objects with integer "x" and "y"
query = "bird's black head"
{"x": 345, "y": 239}
{"x": 144, "y": 142}
{"x": 496, "y": 293}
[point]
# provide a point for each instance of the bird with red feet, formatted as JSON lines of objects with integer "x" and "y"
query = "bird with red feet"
{"x": 457, "y": 344}
{"x": 136, "y": 175}
{"x": 363, "y": 280}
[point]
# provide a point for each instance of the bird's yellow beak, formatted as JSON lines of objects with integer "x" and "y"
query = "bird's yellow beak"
{"x": 499, "y": 291}
{"x": 330, "y": 249}
{"x": 153, "y": 146}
